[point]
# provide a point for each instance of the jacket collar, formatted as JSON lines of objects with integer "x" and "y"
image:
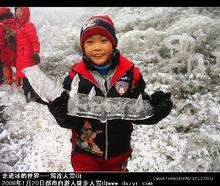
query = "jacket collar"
{"x": 120, "y": 62}
{"x": 123, "y": 66}
{"x": 82, "y": 69}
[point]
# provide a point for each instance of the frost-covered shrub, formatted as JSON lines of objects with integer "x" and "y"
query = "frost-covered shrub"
{"x": 177, "y": 51}
{"x": 200, "y": 151}
{"x": 136, "y": 41}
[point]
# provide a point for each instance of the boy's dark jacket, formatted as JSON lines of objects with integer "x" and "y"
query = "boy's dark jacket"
{"x": 113, "y": 137}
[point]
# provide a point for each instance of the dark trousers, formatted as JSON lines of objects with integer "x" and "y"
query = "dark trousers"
{"x": 1, "y": 73}
{"x": 29, "y": 89}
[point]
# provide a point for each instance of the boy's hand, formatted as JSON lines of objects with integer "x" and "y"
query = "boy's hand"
{"x": 161, "y": 103}
{"x": 58, "y": 107}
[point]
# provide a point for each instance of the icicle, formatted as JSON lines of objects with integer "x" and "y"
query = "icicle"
{"x": 92, "y": 93}
{"x": 139, "y": 103}
{"x": 74, "y": 86}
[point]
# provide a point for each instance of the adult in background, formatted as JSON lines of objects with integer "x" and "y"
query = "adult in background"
{"x": 8, "y": 43}
{"x": 1, "y": 46}
{"x": 28, "y": 48}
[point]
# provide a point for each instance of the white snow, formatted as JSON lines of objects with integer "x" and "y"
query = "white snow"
{"x": 31, "y": 139}
{"x": 177, "y": 50}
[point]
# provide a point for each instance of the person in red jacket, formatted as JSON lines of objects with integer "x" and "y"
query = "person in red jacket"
{"x": 28, "y": 48}
{"x": 1, "y": 46}
{"x": 8, "y": 40}
{"x": 97, "y": 145}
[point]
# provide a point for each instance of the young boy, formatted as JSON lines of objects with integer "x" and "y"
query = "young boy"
{"x": 28, "y": 47}
{"x": 98, "y": 146}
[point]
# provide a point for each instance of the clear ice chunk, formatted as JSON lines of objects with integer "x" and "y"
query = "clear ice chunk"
{"x": 108, "y": 108}
{"x": 46, "y": 88}
{"x": 89, "y": 106}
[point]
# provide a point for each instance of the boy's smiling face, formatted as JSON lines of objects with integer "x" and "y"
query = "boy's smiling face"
{"x": 98, "y": 49}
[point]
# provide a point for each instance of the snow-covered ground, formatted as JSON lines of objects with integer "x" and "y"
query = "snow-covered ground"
{"x": 177, "y": 50}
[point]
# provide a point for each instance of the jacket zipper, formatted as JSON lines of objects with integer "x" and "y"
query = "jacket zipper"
{"x": 106, "y": 124}
{"x": 106, "y": 129}
{"x": 106, "y": 140}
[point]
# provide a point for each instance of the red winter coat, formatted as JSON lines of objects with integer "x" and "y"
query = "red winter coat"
{"x": 2, "y": 30}
{"x": 27, "y": 43}
{"x": 8, "y": 55}
{"x": 1, "y": 38}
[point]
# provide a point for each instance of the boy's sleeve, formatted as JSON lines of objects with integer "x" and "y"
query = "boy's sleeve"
{"x": 139, "y": 88}
{"x": 149, "y": 121}
{"x": 70, "y": 122}
{"x": 139, "y": 85}
{"x": 32, "y": 36}
{"x": 66, "y": 121}
{"x": 68, "y": 80}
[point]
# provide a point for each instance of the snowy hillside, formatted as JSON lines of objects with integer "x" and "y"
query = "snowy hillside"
{"x": 177, "y": 50}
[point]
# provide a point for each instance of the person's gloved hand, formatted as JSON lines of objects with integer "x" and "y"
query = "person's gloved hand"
{"x": 58, "y": 107}
{"x": 161, "y": 103}
{"x": 146, "y": 96}
{"x": 37, "y": 58}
